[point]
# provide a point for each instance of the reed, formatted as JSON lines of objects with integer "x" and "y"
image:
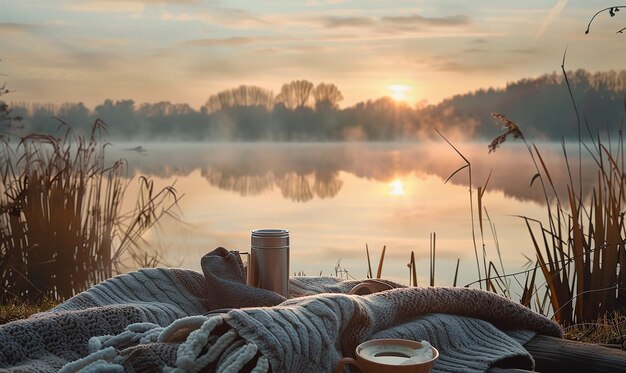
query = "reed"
{"x": 456, "y": 272}
{"x": 581, "y": 251}
{"x": 379, "y": 272}
{"x": 467, "y": 165}
{"x": 433, "y": 257}
{"x": 381, "y": 262}
{"x": 494, "y": 280}
{"x": 412, "y": 270}
{"x": 369, "y": 263}
{"x": 62, "y": 228}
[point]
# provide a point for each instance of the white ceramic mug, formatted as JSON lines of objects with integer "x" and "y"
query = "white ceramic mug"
{"x": 387, "y": 356}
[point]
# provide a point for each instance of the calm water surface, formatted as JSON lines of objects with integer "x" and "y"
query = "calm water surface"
{"x": 336, "y": 198}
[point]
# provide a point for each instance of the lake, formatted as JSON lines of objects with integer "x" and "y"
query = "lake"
{"x": 335, "y": 198}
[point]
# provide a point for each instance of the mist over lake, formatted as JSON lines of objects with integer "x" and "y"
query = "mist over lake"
{"x": 335, "y": 198}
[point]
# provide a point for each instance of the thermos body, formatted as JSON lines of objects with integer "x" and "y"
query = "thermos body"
{"x": 269, "y": 260}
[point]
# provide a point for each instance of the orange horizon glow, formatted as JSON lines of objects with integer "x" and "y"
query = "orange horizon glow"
{"x": 399, "y": 91}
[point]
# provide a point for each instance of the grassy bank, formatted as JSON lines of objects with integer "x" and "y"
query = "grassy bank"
{"x": 21, "y": 310}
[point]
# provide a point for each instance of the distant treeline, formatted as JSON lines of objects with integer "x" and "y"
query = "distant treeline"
{"x": 303, "y": 111}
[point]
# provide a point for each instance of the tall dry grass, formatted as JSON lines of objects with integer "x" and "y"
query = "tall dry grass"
{"x": 62, "y": 228}
{"x": 8, "y": 120}
{"x": 580, "y": 247}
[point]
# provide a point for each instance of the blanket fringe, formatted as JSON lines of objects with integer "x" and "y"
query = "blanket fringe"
{"x": 206, "y": 342}
{"x": 180, "y": 329}
{"x": 207, "y": 345}
{"x": 107, "y": 360}
{"x": 141, "y": 333}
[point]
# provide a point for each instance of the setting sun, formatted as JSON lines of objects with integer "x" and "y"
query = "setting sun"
{"x": 399, "y": 91}
{"x": 397, "y": 187}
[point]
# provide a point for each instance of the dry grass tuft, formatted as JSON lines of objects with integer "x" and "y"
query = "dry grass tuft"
{"x": 62, "y": 228}
{"x": 609, "y": 329}
{"x": 22, "y": 310}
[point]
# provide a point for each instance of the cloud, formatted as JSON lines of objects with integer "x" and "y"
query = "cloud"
{"x": 122, "y": 6}
{"x": 526, "y": 51}
{"x": 182, "y": 2}
{"x": 459, "y": 65}
{"x": 335, "y": 22}
{"x": 316, "y": 22}
{"x": 416, "y": 19}
{"x": 108, "y": 6}
{"x": 325, "y": 2}
{"x": 56, "y": 22}
{"x": 232, "y": 41}
{"x": 231, "y": 18}
{"x": 17, "y": 28}
{"x": 552, "y": 14}
{"x": 409, "y": 22}
{"x": 475, "y": 50}
{"x": 103, "y": 45}
{"x": 267, "y": 51}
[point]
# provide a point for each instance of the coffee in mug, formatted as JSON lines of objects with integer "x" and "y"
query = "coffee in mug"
{"x": 392, "y": 356}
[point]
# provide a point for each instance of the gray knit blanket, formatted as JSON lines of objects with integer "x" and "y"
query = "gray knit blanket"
{"x": 177, "y": 320}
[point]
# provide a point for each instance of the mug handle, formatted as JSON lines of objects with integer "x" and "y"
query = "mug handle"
{"x": 345, "y": 361}
{"x": 246, "y": 264}
{"x": 370, "y": 286}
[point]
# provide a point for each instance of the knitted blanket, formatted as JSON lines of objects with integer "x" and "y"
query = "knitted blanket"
{"x": 183, "y": 321}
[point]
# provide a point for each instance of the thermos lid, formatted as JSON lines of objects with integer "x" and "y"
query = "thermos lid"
{"x": 270, "y": 238}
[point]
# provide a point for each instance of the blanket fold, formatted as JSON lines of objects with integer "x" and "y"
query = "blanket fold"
{"x": 224, "y": 275}
{"x": 156, "y": 319}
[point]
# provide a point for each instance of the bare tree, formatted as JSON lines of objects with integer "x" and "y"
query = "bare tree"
{"x": 295, "y": 94}
{"x": 164, "y": 109}
{"x": 244, "y": 95}
{"x": 327, "y": 96}
{"x": 7, "y": 118}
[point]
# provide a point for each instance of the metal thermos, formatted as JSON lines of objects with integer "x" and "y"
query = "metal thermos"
{"x": 269, "y": 260}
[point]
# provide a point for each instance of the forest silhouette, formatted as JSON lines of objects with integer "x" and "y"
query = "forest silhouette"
{"x": 302, "y": 111}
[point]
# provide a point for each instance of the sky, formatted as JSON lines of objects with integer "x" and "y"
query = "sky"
{"x": 185, "y": 50}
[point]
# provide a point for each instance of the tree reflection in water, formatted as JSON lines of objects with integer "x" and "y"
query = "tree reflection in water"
{"x": 245, "y": 185}
{"x": 304, "y": 171}
{"x": 294, "y": 186}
